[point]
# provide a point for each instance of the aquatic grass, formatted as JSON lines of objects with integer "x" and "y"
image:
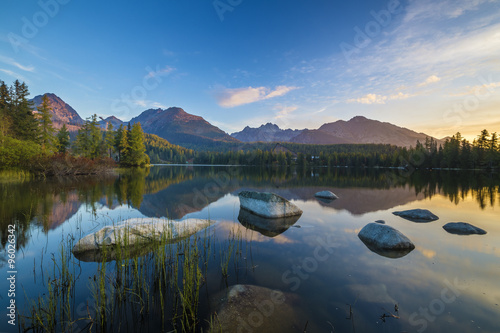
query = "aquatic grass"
{"x": 161, "y": 285}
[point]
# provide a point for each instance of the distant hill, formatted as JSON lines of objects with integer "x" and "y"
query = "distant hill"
{"x": 362, "y": 130}
{"x": 62, "y": 113}
{"x": 103, "y": 123}
{"x": 357, "y": 130}
{"x": 266, "y": 133}
{"x": 181, "y": 128}
{"x": 318, "y": 137}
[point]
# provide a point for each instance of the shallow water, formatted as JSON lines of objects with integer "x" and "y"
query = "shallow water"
{"x": 448, "y": 283}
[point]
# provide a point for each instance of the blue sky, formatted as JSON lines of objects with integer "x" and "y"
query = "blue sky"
{"x": 432, "y": 66}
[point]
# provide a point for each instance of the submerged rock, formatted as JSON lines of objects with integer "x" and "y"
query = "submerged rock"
{"x": 380, "y": 221}
{"x": 328, "y": 195}
{"x": 463, "y": 228}
{"x": 265, "y": 226}
{"x": 417, "y": 215}
{"x": 133, "y": 237}
{"x": 248, "y": 308}
{"x": 385, "y": 240}
{"x": 268, "y": 205}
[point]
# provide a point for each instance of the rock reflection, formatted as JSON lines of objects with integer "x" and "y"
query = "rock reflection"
{"x": 265, "y": 226}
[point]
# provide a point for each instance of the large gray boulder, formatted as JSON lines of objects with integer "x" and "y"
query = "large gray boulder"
{"x": 417, "y": 215}
{"x": 385, "y": 240}
{"x": 268, "y": 205}
{"x": 328, "y": 195}
{"x": 463, "y": 228}
{"x": 249, "y": 308}
{"x": 134, "y": 236}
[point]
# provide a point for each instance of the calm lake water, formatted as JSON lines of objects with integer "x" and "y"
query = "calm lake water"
{"x": 449, "y": 283}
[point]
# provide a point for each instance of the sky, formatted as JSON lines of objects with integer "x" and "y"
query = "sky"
{"x": 429, "y": 65}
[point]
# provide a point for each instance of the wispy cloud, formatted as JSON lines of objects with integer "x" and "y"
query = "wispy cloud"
{"x": 431, "y": 79}
{"x": 378, "y": 99}
{"x": 425, "y": 10}
{"x": 160, "y": 71}
{"x": 430, "y": 39}
{"x": 12, "y": 62}
{"x": 14, "y": 74}
{"x": 149, "y": 104}
{"x": 283, "y": 111}
{"x": 229, "y": 98}
{"x": 479, "y": 90}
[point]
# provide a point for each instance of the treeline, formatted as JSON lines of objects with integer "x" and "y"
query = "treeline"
{"x": 457, "y": 152}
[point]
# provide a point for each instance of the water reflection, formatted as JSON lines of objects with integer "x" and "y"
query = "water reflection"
{"x": 267, "y": 227}
{"x": 176, "y": 191}
{"x": 348, "y": 272}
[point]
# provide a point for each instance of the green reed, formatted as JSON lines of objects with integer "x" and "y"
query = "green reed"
{"x": 162, "y": 284}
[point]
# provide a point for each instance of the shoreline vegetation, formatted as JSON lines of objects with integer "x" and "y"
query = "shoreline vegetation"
{"x": 29, "y": 142}
{"x": 167, "y": 279}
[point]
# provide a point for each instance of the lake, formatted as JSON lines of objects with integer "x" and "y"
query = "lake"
{"x": 330, "y": 281}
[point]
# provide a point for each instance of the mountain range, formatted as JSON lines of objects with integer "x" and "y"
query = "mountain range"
{"x": 357, "y": 130}
{"x": 266, "y": 133}
{"x": 188, "y": 130}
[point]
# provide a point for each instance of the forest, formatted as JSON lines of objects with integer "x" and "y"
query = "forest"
{"x": 29, "y": 141}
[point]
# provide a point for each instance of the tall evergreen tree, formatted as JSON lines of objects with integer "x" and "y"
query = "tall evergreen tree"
{"x": 5, "y": 108}
{"x": 46, "y": 129}
{"x": 95, "y": 138}
{"x": 118, "y": 140}
{"x": 109, "y": 139}
{"x": 137, "y": 149}
{"x": 62, "y": 139}
{"x": 25, "y": 124}
{"x": 124, "y": 147}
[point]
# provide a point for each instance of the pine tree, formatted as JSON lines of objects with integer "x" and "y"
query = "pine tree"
{"x": 109, "y": 139}
{"x": 124, "y": 148}
{"x": 5, "y": 108}
{"x": 137, "y": 149}
{"x": 118, "y": 140}
{"x": 95, "y": 138}
{"x": 25, "y": 124}
{"x": 62, "y": 139}
{"x": 82, "y": 144}
{"x": 46, "y": 129}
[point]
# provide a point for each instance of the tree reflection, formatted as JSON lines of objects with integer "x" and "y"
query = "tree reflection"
{"x": 175, "y": 191}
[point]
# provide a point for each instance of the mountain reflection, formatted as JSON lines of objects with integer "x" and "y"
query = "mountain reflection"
{"x": 174, "y": 191}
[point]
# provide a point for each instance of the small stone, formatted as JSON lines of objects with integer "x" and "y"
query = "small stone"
{"x": 326, "y": 195}
{"x": 463, "y": 228}
{"x": 385, "y": 240}
{"x": 417, "y": 215}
